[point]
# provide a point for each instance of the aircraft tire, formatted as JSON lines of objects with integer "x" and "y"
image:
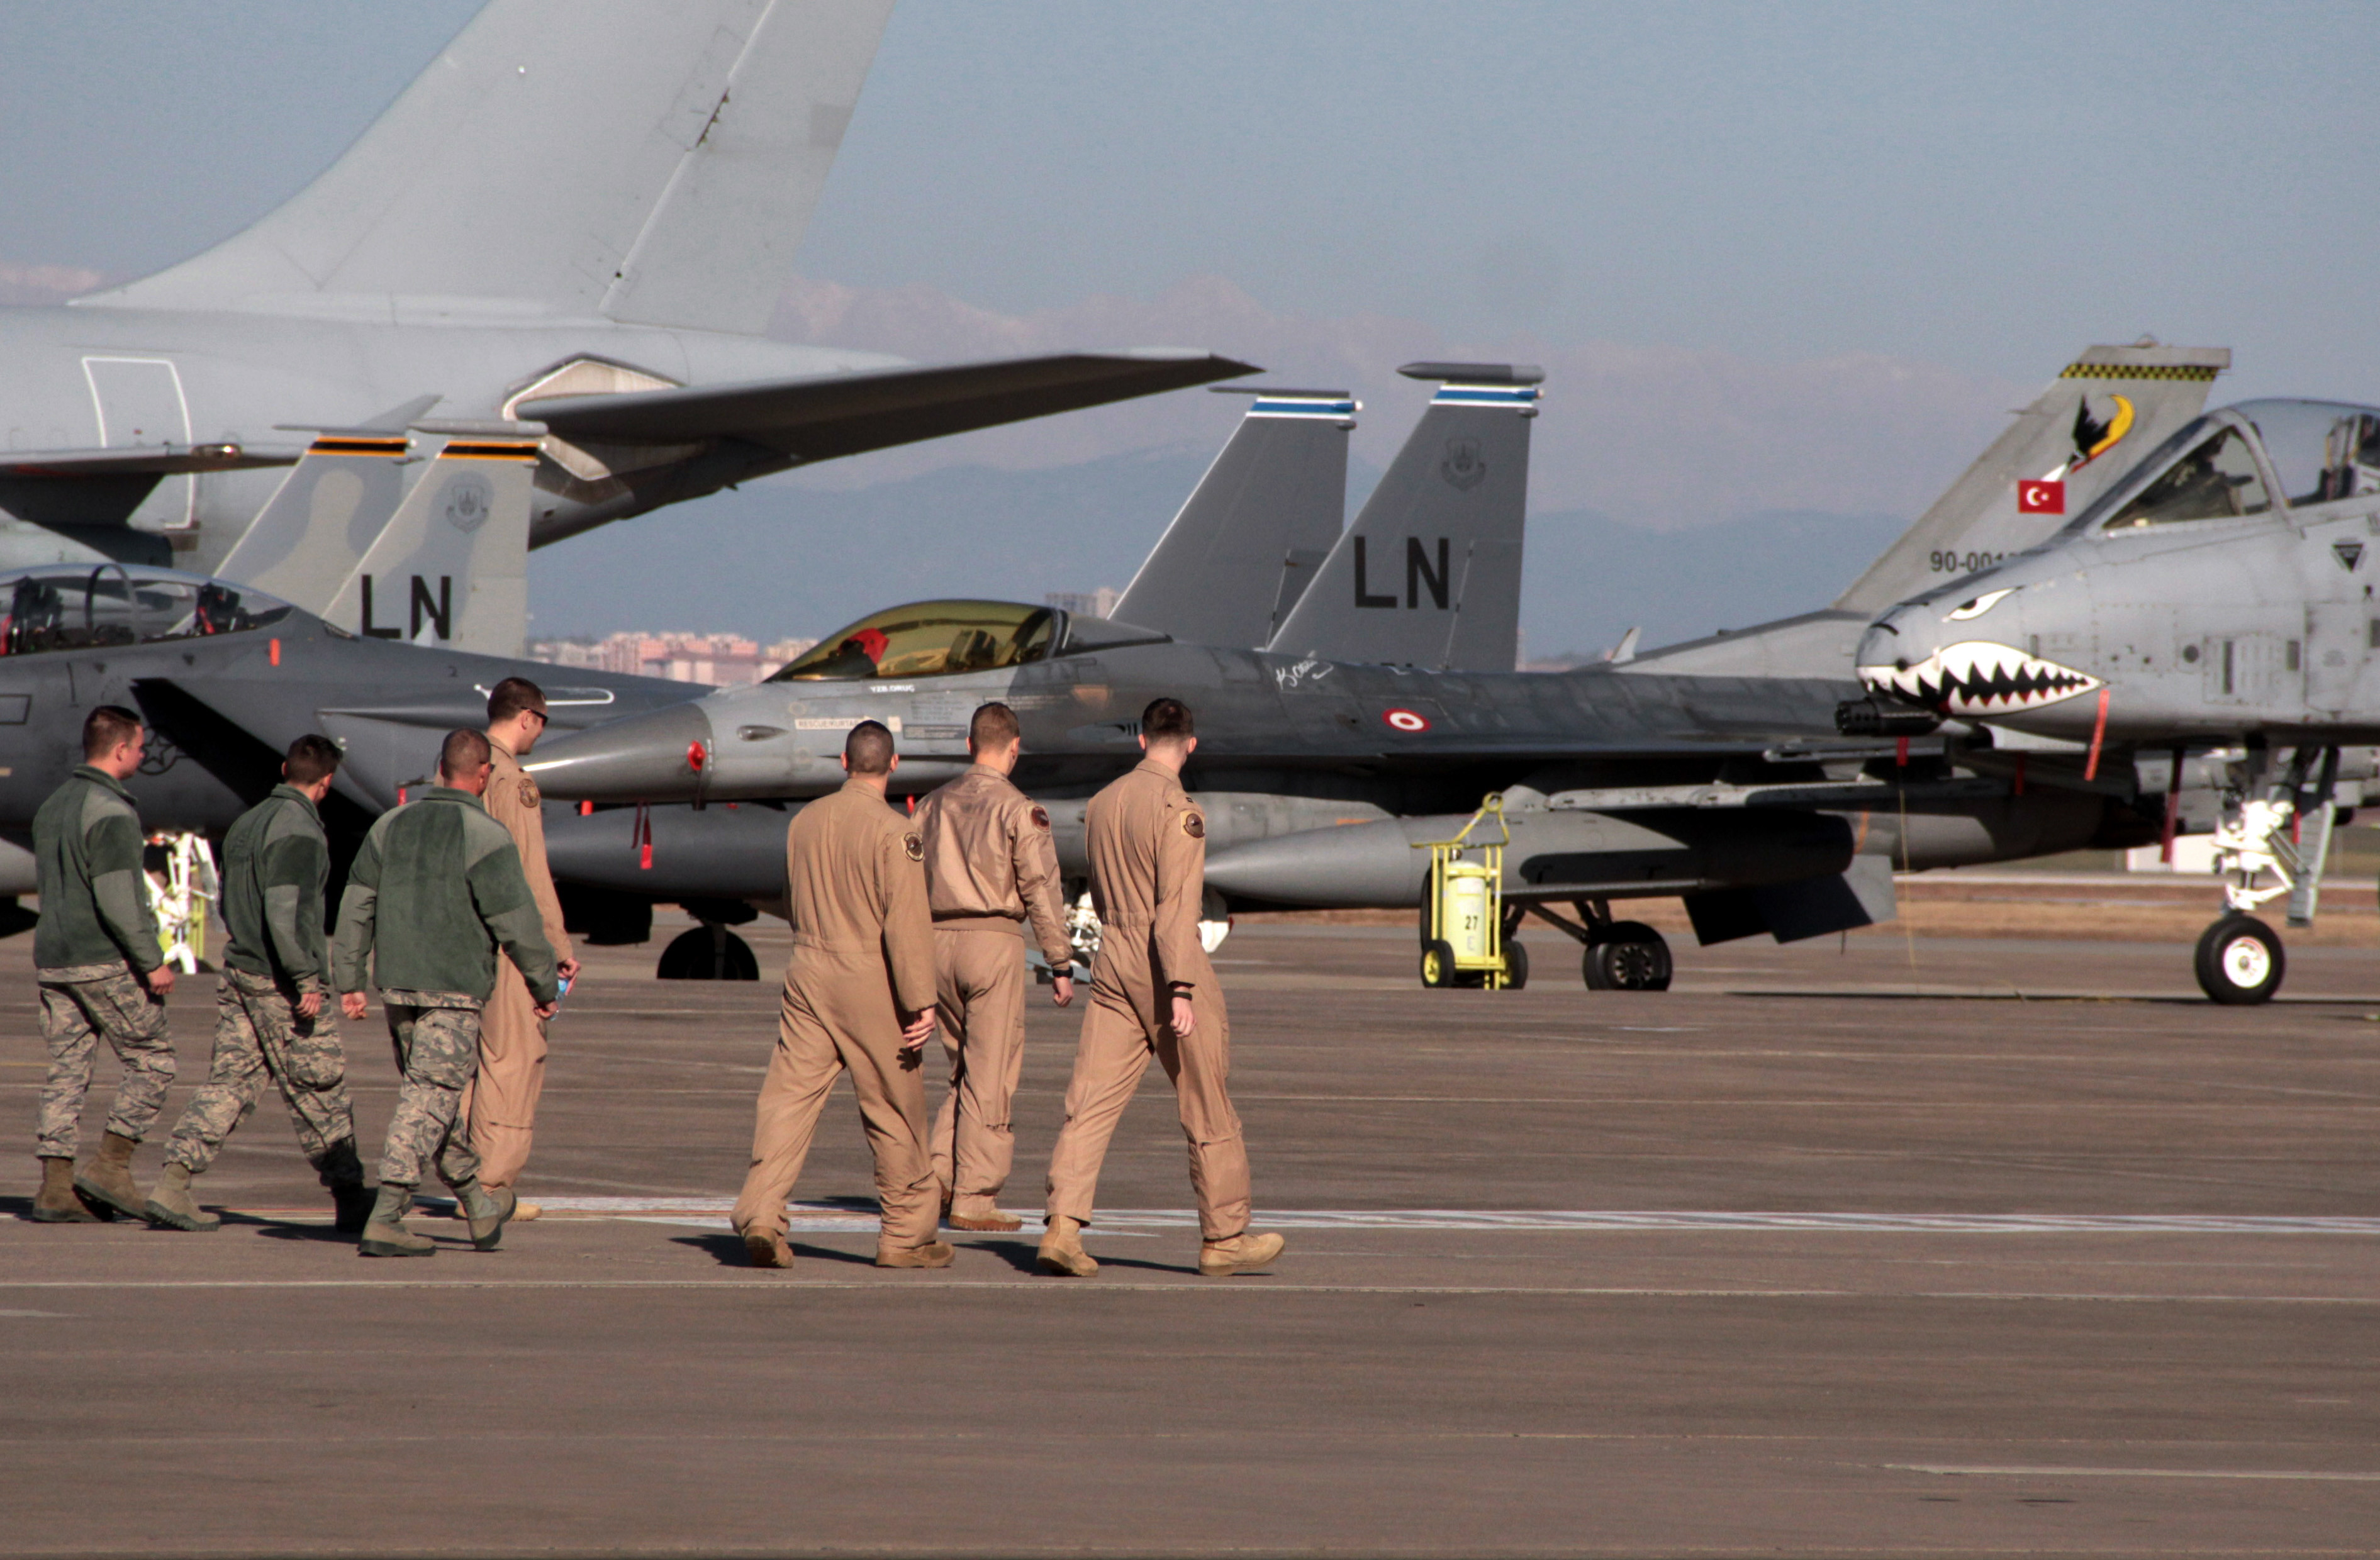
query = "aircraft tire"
{"x": 1627, "y": 956}
{"x": 1436, "y": 964}
{"x": 707, "y": 953}
{"x": 2240, "y": 962}
{"x": 1516, "y": 966}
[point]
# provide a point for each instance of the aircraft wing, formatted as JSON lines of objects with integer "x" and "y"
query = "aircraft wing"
{"x": 818, "y": 417}
{"x": 145, "y": 460}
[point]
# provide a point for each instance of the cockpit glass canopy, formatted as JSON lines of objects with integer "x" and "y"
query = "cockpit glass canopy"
{"x": 929, "y": 639}
{"x": 74, "y": 607}
{"x": 2320, "y": 450}
{"x": 2214, "y": 478}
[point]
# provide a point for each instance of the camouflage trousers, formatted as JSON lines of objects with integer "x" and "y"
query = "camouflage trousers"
{"x": 437, "y": 1039}
{"x": 259, "y": 1034}
{"x": 78, "y": 1006}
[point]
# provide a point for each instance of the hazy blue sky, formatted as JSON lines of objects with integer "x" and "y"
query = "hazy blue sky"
{"x": 1977, "y": 186}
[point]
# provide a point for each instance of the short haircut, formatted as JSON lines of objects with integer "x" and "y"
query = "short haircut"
{"x": 1167, "y": 720}
{"x": 869, "y": 749}
{"x": 995, "y": 726}
{"x": 106, "y": 729}
{"x": 462, "y": 754}
{"x": 510, "y": 696}
{"x": 310, "y": 759}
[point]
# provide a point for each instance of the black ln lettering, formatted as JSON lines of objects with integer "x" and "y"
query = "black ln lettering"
{"x": 440, "y": 611}
{"x": 1418, "y": 572}
{"x": 1363, "y": 597}
{"x": 369, "y": 632}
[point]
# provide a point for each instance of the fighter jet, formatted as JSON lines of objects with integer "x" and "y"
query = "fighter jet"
{"x": 581, "y": 213}
{"x": 1789, "y": 835}
{"x": 2209, "y": 612}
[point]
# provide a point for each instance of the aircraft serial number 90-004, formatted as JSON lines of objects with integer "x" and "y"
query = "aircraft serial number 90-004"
{"x": 1964, "y": 562}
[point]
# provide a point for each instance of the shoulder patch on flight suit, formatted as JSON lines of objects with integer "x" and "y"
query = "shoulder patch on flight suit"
{"x": 1193, "y": 825}
{"x": 915, "y": 846}
{"x": 529, "y": 792}
{"x": 1041, "y": 818}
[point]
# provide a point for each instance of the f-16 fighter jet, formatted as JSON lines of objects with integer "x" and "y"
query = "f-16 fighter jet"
{"x": 583, "y": 212}
{"x": 2210, "y": 610}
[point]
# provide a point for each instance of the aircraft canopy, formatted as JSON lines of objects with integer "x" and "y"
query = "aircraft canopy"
{"x": 74, "y": 607}
{"x": 2315, "y": 451}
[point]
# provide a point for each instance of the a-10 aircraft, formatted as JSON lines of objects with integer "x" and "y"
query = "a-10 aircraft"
{"x": 2213, "y": 608}
{"x": 1711, "y": 772}
{"x": 584, "y": 213}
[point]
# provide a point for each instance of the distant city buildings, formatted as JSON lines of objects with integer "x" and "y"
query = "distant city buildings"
{"x": 721, "y": 658}
{"x": 1099, "y": 603}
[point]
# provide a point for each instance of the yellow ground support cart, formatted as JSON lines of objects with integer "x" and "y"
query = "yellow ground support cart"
{"x": 1463, "y": 910}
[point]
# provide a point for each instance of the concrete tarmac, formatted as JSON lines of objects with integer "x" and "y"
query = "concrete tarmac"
{"x": 1910, "y": 1247}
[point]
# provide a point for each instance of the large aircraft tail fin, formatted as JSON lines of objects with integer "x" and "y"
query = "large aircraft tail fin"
{"x": 1245, "y": 545}
{"x": 648, "y": 162}
{"x": 327, "y": 513}
{"x": 2108, "y": 407}
{"x": 451, "y": 567}
{"x": 1429, "y": 575}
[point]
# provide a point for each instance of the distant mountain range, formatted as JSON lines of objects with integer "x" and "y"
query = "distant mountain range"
{"x": 782, "y": 559}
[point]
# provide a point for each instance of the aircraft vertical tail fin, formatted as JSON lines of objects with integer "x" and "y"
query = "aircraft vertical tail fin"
{"x": 1429, "y": 575}
{"x": 2108, "y": 407}
{"x": 310, "y": 536}
{"x": 1248, "y": 540}
{"x": 648, "y": 162}
{"x": 451, "y": 567}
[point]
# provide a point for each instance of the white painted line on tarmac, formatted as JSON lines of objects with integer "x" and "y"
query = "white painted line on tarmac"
{"x": 2048, "y": 1472}
{"x": 823, "y": 1218}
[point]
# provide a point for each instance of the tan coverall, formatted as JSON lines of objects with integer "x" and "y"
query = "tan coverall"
{"x": 989, "y": 866}
{"x": 501, "y": 1103}
{"x": 1147, "y": 846}
{"x": 862, "y": 947}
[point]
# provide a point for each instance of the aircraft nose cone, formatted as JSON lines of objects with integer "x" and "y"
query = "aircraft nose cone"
{"x": 658, "y": 757}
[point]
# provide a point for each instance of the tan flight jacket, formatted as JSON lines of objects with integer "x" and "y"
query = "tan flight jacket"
{"x": 1147, "y": 844}
{"x": 989, "y": 858}
{"x": 856, "y": 881}
{"x": 513, "y": 801}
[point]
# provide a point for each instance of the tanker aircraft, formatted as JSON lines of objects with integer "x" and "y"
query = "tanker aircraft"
{"x": 583, "y": 211}
{"x": 2209, "y": 610}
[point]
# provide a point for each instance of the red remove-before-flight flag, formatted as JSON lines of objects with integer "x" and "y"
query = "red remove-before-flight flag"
{"x": 2040, "y": 497}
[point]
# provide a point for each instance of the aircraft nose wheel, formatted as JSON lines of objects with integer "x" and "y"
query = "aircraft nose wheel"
{"x": 2240, "y": 962}
{"x": 1626, "y": 956}
{"x": 708, "y": 952}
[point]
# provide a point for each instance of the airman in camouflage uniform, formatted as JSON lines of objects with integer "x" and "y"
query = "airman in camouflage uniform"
{"x": 269, "y": 1017}
{"x": 102, "y": 976}
{"x": 435, "y": 891}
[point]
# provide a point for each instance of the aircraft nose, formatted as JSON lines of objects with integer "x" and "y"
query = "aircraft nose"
{"x": 1889, "y": 650}
{"x": 658, "y": 757}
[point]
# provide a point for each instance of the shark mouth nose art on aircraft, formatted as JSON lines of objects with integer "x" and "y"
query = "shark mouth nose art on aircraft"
{"x": 1978, "y": 677}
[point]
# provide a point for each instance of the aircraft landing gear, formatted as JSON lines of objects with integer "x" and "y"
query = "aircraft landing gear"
{"x": 2240, "y": 962}
{"x": 1620, "y": 955}
{"x": 709, "y": 952}
{"x": 1626, "y": 956}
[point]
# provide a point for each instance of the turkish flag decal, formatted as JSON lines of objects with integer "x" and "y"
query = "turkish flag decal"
{"x": 2040, "y": 497}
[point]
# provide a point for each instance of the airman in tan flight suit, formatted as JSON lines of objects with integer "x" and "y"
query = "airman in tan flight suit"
{"x": 989, "y": 867}
{"x": 859, "y": 994}
{"x": 501, "y": 1103}
{"x": 1153, "y": 993}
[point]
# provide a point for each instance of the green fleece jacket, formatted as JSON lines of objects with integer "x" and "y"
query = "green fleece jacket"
{"x": 435, "y": 891}
{"x": 275, "y": 863}
{"x": 87, "y": 841}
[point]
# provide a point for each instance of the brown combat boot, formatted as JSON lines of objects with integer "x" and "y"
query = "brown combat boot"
{"x": 56, "y": 1202}
{"x": 766, "y": 1247}
{"x": 1220, "y": 1258}
{"x": 487, "y": 1212}
{"x": 1061, "y": 1250}
{"x": 385, "y": 1234}
{"x": 933, "y": 1253}
{"x": 106, "y": 1177}
{"x": 980, "y": 1213}
{"x": 170, "y": 1207}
